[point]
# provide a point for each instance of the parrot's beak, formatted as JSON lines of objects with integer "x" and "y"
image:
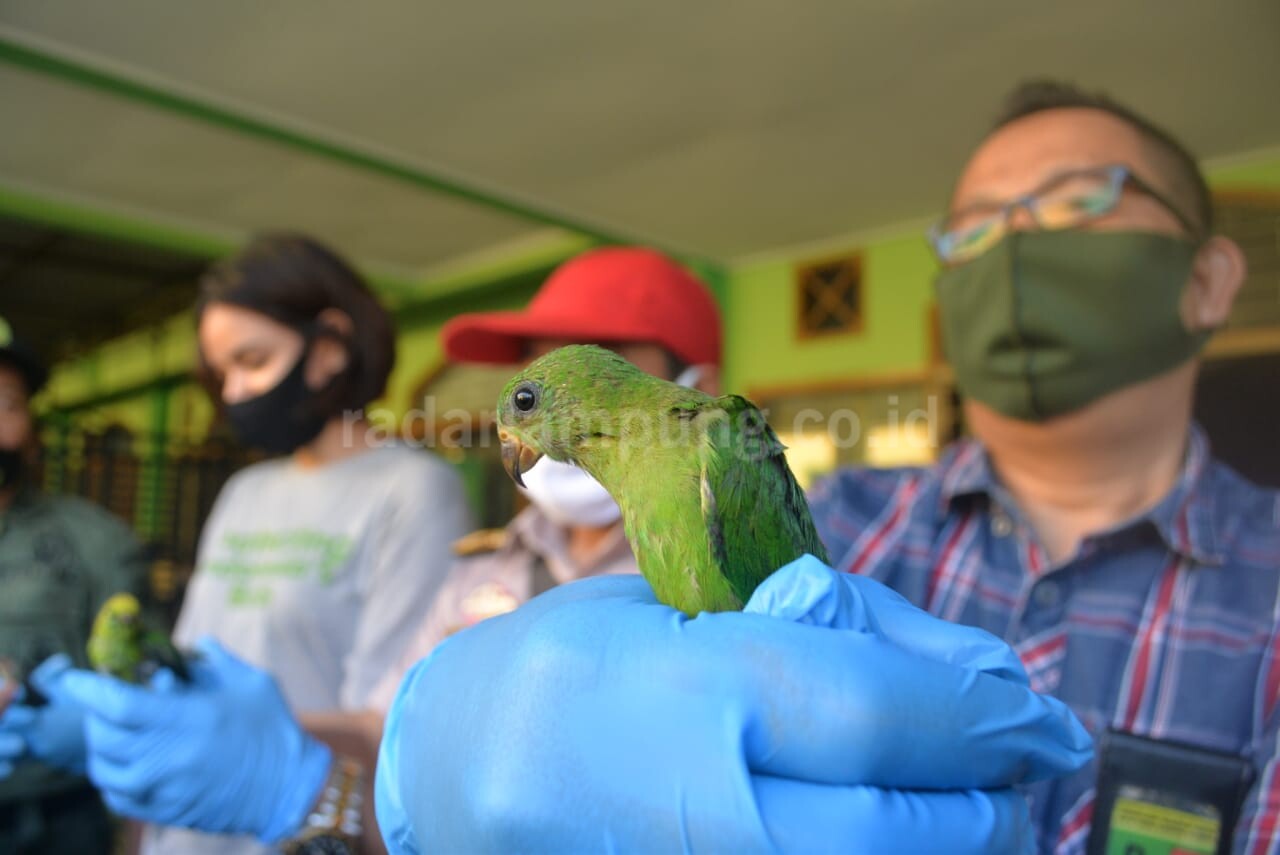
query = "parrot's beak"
{"x": 517, "y": 457}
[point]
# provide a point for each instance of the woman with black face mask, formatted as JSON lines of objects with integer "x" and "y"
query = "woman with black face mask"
{"x": 316, "y": 565}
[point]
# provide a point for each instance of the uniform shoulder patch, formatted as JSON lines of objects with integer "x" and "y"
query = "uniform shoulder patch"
{"x": 479, "y": 542}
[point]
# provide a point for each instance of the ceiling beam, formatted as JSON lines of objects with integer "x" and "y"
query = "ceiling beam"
{"x": 25, "y": 256}
{"x": 175, "y": 269}
{"x": 76, "y": 216}
{"x": 21, "y": 52}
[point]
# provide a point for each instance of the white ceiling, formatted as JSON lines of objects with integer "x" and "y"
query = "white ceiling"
{"x": 100, "y": 146}
{"x": 724, "y": 128}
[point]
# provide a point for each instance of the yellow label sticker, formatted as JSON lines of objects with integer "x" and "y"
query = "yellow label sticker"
{"x": 1152, "y": 829}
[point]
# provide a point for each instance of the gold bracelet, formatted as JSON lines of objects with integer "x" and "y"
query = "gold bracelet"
{"x": 334, "y": 826}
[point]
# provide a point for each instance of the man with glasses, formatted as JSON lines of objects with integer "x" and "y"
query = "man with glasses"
{"x": 1086, "y": 522}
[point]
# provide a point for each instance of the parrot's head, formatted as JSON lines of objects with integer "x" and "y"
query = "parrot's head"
{"x": 119, "y": 612}
{"x": 567, "y": 405}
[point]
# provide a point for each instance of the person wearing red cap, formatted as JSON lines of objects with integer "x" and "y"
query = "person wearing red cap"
{"x": 646, "y": 308}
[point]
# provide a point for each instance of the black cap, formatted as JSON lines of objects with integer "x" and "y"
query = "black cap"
{"x": 14, "y": 351}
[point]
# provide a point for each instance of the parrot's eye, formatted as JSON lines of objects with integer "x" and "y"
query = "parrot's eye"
{"x": 525, "y": 398}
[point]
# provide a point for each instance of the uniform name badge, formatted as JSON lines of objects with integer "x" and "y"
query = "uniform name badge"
{"x": 485, "y": 601}
{"x": 1165, "y": 798}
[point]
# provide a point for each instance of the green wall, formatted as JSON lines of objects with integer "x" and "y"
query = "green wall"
{"x": 762, "y": 348}
{"x": 1248, "y": 173}
{"x": 131, "y": 362}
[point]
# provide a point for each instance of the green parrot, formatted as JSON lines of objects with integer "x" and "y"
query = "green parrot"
{"x": 708, "y": 502}
{"x": 122, "y": 645}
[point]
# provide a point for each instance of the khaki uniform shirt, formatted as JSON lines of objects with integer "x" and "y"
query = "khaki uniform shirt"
{"x": 497, "y": 570}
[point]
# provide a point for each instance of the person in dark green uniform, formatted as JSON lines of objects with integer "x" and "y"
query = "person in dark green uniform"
{"x": 60, "y": 558}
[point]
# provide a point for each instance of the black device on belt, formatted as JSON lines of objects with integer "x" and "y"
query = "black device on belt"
{"x": 1165, "y": 798}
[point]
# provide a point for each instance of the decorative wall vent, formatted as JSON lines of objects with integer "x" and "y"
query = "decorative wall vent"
{"x": 1253, "y": 221}
{"x": 829, "y": 297}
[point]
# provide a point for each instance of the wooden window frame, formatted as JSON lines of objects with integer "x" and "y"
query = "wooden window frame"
{"x": 802, "y": 276}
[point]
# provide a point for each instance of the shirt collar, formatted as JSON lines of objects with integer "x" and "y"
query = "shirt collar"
{"x": 964, "y": 471}
{"x": 1184, "y": 518}
{"x": 533, "y": 531}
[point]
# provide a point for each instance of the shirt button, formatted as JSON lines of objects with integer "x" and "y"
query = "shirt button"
{"x": 1046, "y": 594}
{"x": 1001, "y": 525}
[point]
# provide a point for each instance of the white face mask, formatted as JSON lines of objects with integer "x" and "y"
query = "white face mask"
{"x": 568, "y": 495}
{"x": 571, "y": 497}
{"x": 689, "y": 377}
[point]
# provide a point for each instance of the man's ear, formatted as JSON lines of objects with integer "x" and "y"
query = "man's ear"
{"x": 1217, "y": 272}
{"x": 329, "y": 352}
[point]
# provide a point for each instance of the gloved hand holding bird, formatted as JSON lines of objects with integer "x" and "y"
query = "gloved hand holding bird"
{"x": 708, "y": 502}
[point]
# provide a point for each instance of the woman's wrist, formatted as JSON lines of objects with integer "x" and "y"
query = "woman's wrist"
{"x": 333, "y": 823}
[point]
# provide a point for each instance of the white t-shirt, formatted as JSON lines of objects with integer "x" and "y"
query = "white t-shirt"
{"x": 320, "y": 576}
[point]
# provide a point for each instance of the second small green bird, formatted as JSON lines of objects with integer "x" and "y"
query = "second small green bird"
{"x": 122, "y": 645}
{"x": 708, "y": 502}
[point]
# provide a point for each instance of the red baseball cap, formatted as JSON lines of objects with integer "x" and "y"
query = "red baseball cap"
{"x": 614, "y": 294}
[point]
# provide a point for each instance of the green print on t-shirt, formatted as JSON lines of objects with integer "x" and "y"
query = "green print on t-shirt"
{"x": 250, "y": 561}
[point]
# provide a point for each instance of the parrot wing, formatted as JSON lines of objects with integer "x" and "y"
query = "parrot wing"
{"x": 756, "y": 515}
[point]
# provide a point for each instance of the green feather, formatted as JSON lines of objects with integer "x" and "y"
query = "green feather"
{"x": 709, "y": 504}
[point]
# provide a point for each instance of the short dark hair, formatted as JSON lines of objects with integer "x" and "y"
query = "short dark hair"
{"x": 291, "y": 279}
{"x": 1170, "y": 158}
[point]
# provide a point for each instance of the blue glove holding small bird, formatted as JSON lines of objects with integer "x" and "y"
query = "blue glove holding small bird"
{"x": 43, "y": 722}
{"x": 829, "y": 715}
{"x": 222, "y": 753}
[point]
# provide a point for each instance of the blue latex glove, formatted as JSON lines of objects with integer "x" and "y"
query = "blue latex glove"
{"x": 829, "y": 716}
{"x": 52, "y": 733}
{"x": 12, "y": 747}
{"x": 221, "y": 754}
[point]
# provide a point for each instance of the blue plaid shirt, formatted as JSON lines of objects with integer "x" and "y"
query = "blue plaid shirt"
{"x": 1166, "y": 626}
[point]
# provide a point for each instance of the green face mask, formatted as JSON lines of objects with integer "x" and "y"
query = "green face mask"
{"x": 1044, "y": 323}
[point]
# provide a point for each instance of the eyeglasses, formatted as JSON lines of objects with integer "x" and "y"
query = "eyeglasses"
{"x": 1065, "y": 201}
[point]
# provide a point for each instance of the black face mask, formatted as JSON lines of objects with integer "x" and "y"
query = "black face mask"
{"x": 10, "y": 467}
{"x": 282, "y": 419}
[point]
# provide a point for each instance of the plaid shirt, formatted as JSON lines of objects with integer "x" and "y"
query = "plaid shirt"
{"x": 1166, "y": 626}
